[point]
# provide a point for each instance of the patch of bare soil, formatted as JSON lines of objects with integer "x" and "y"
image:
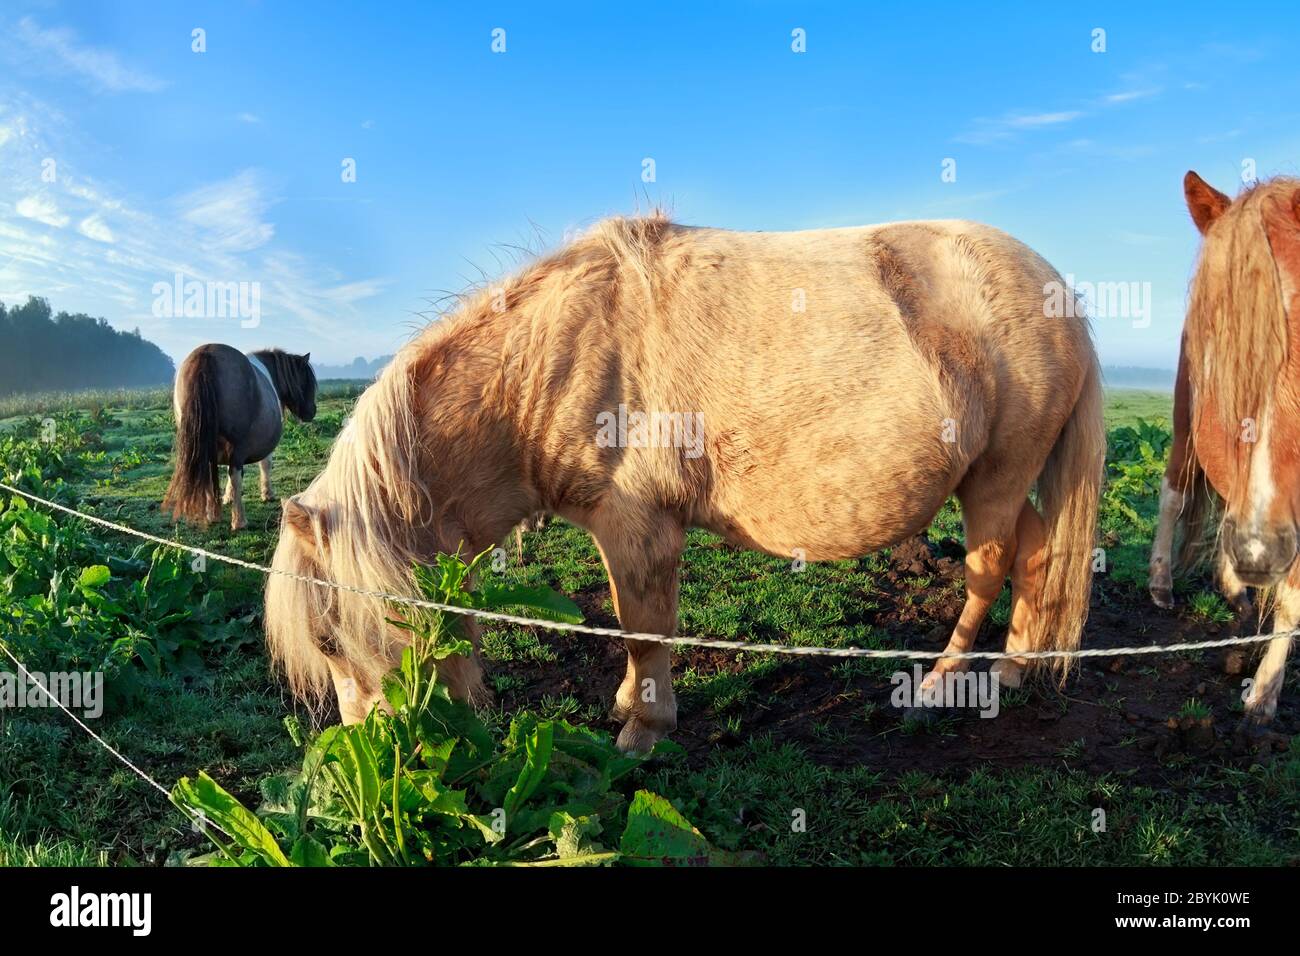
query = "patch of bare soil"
{"x": 1122, "y": 714}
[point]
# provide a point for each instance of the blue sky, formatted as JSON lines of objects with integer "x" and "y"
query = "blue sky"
{"x": 226, "y": 164}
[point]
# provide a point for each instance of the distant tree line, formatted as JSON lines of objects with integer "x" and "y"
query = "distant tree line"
{"x": 41, "y": 351}
{"x": 360, "y": 368}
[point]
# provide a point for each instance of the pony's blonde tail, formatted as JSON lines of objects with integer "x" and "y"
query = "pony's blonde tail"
{"x": 1068, "y": 489}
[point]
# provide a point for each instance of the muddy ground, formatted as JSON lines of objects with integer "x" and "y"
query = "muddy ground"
{"x": 1123, "y": 714}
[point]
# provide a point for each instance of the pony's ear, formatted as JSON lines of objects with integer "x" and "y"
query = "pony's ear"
{"x": 1204, "y": 202}
{"x": 306, "y": 357}
{"x": 301, "y": 520}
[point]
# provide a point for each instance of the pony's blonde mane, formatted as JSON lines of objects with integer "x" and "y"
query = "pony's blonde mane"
{"x": 375, "y": 504}
{"x": 1236, "y": 325}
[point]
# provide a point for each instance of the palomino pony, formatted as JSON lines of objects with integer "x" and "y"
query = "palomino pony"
{"x": 1238, "y": 420}
{"x": 816, "y": 393}
{"x": 230, "y": 411}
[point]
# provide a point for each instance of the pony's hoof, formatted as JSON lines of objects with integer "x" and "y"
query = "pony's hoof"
{"x": 919, "y": 717}
{"x": 1252, "y": 734}
{"x": 238, "y": 525}
{"x": 1163, "y": 597}
{"x": 637, "y": 738}
{"x": 1009, "y": 674}
{"x": 1243, "y": 606}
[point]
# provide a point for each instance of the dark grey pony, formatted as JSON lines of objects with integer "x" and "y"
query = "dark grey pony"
{"x": 230, "y": 411}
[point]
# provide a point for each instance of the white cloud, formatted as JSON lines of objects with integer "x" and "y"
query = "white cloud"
{"x": 93, "y": 227}
{"x": 1010, "y": 125}
{"x": 1032, "y": 120}
{"x": 101, "y": 68}
{"x": 985, "y": 130}
{"x": 117, "y": 249}
{"x": 251, "y": 118}
{"x": 1127, "y": 96}
{"x": 42, "y": 210}
{"x": 351, "y": 292}
{"x": 230, "y": 213}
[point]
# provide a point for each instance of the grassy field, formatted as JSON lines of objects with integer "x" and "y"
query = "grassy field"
{"x": 767, "y": 741}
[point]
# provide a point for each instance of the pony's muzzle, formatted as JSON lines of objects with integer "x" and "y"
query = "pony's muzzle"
{"x": 1260, "y": 556}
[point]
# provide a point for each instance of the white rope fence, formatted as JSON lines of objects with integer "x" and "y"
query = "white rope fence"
{"x": 198, "y": 819}
{"x": 712, "y": 643}
{"x": 202, "y": 823}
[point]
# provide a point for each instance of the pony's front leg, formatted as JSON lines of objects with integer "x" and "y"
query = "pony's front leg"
{"x": 641, "y": 553}
{"x": 1266, "y": 688}
{"x": 354, "y": 701}
{"x": 264, "y": 467}
{"x": 1175, "y": 490}
{"x": 1233, "y": 588}
{"x": 1160, "y": 576}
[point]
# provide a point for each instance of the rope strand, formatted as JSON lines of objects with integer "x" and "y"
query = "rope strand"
{"x": 613, "y": 632}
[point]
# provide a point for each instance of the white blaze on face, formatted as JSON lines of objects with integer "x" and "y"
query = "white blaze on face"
{"x": 1261, "y": 490}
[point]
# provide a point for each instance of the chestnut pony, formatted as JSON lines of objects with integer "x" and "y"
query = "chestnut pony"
{"x": 1237, "y": 411}
{"x": 817, "y": 394}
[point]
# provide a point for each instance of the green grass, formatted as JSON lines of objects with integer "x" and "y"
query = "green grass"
{"x": 992, "y": 817}
{"x": 47, "y": 403}
{"x": 1124, "y": 406}
{"x": 68, "y": 802}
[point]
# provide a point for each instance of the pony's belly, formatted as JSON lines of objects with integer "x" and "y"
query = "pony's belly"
{"x": 831, "y": 534}
{"x": 848, "y": 498}
{"x": 258, "y": 440}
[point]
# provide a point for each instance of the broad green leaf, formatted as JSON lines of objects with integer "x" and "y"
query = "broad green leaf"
{"x": 207, "y": 798}
{"x": 542, "y": 601}
{"x": 309, "y": 851}
{"x": 95, "y": 576}
{"x": 575, "y": 836}
{"x": 657, "y": 835}
{"x": 537, "y": 757}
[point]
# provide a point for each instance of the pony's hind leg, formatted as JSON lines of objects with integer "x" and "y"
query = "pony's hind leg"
{"x": 641, "y": 554}
{"x": 237, "y": 519}
{"x": 264, "y": 467}
{"x": 990, "y": 522}
{"x": 1027, "y": 571}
